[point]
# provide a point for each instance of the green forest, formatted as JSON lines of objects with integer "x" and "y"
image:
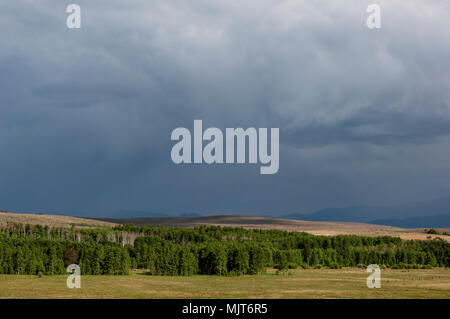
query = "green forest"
{"x": 208, "y": 250}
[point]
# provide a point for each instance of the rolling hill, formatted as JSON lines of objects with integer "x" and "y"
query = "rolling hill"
{"x": 312, "y": 227}
{"x": 325, "y": 228}
{"x": 51, "y": 220}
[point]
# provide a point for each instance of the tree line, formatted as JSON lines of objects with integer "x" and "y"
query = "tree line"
{"x": 209, "y": 250}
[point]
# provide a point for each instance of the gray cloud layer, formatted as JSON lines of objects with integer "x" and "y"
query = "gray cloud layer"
{"x": 86, "y": 115}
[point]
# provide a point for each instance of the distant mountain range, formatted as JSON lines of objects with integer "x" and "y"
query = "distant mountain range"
{"x": 430, "y": 213}
{"x": 435, "y": 221}
{"x": 424, "y": 214}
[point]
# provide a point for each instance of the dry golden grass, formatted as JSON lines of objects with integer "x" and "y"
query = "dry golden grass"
{"x": 311, "y": 283}
{"x": 51, "y": 220}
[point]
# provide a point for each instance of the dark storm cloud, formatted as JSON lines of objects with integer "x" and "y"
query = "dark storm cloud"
{"x": 86, "y": 115}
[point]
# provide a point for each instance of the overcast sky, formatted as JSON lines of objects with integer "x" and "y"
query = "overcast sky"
{"x": 86, "y": 114}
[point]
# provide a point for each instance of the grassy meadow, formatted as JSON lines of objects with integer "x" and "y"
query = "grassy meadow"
{"x": 310, "y": 283}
